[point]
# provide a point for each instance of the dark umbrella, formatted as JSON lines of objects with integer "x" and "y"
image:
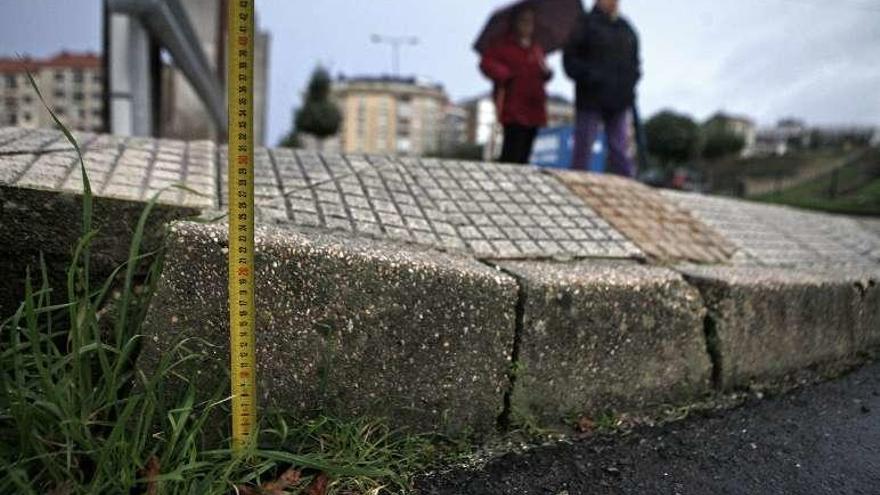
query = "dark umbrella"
{"x": 554, "y": 21}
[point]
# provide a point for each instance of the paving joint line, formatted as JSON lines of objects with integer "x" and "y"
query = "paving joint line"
{"x": 409, "y": 187}
{"x": 338, "y": 186}
{"x": 279, "y": 183}
{"x": 393, "y": 201}
{"x": 18, "y": 134}
{"x": 27, "y": 168}
{"x": 319, "y": 210}
{"x": 151, "y": 165}
{"x": 184, "y": 172}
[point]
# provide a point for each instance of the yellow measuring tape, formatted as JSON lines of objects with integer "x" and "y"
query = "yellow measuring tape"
{"x": 240, "y": 84}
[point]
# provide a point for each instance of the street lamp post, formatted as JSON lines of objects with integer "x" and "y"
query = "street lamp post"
{"x": 396, "y": 42}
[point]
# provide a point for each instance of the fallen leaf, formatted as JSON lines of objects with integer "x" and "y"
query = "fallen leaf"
{"x": 150, "y": 472}
{"x": 277, "y": 487}
{"x": 318, "y": 486}
{"x": 585, "y": 425}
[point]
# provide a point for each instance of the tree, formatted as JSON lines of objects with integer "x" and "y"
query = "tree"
{"x": 673, "y": 138}
{"x": 291, "y": 140}
{"x": 319, "y": 115}
{"x": 720, "y": 142}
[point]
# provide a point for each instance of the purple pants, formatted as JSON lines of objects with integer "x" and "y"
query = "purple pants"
{"x": 616, "y": 132}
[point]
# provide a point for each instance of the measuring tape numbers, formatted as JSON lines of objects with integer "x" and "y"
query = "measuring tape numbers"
{"x": 240, "y": 83}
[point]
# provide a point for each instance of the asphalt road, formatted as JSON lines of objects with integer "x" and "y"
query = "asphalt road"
{"x": 820, "y": 439}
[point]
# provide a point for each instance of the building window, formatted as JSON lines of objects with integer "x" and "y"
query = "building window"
{"x": 27, "y": 99}
{"x": 59, "y": 93}
{"x": 96, "y": 78}
{"x": 78, "y": 96}
{"x": 82, "y": 113}
{"x": 96, "y": 112}
{"x": 26, "y": 117}
{"x": 78, "y": 76}
{"x": 59, "y": 76}
{"x": 13, "y": 119}
{"x": 60, "y": 111}
{"x": 11, "y": 81}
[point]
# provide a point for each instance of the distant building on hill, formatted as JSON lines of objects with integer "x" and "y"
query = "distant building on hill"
{"x": 390, "y": 115}
{"x": 71, "y": 83}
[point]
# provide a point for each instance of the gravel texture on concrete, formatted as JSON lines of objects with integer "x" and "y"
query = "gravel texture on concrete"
{"x": 348, "y": 326}
{"x": 765, "y": 322}
{"x": 600, "y": 335}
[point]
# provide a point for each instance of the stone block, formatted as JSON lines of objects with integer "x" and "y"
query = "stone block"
{"x": 348, "y": 326}
{"x": 601, "y": 335}
{"x": 50, "y": 222}
{"x": 770, "y": 321}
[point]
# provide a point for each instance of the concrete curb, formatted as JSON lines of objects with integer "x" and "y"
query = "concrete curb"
{"x": 419, "y": 336}
{"x": 605, "y": 335}
{"x": 406, "y": 287}
{"x": 766, "y": 322}
{"x": 48, "y": 223}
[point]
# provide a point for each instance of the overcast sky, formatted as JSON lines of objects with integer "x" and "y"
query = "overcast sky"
{"x": 815, "y": 59}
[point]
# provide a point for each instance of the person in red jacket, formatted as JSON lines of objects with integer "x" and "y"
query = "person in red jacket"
{"x": 515, "y": 63}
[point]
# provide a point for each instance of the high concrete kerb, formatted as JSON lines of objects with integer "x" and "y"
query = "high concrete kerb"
{"x": 348, "y": 326}
{"x": 599, "y": 335}
{"x": 766, "y": 322}
{"x": 41, "y": 203}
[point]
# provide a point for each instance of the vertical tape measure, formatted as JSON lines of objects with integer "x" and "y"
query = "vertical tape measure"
{"x": 240, "y": 83}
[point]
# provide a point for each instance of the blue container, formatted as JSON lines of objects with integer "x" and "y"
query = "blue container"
{"x": 553, "y": 147}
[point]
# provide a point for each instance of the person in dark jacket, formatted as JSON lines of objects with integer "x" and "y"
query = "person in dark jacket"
{"x": 516, "y": 65}
{"x": 602, "y": 57}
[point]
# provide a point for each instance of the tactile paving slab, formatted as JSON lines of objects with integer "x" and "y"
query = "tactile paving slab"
{"x": 131, "y": 169}
{"x": 781, "y": 236}
{"x": 659, "y": 227}
{"x": 489, "y": 210}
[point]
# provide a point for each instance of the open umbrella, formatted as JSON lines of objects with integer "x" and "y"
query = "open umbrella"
{"x": 554, "y": 21}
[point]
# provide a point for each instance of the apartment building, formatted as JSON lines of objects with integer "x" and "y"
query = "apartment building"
{"x": 71, "y": 83}
{"x": 390, "y": 115}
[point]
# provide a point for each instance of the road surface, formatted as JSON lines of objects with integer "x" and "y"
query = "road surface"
{"x": 820, "y": 439}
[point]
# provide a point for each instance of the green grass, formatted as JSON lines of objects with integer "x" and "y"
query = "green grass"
{"x": 859, "y": 180}
{"x": 78, "y": 417}
{"x": 726, "y": 174}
